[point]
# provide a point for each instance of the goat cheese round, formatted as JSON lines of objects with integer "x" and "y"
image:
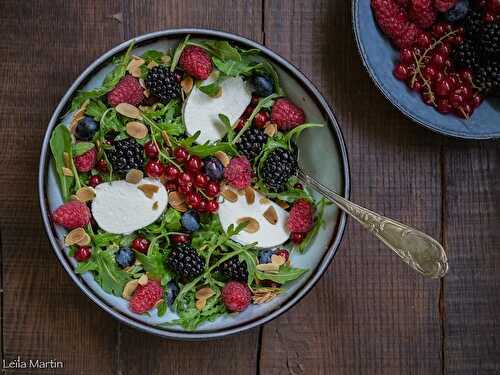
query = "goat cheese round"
{"x": 268, "y": 234}
{"x": 121, "y": 207}
{"x": 201, "y": 112}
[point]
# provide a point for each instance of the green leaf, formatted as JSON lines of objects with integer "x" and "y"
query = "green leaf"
{"x": 153, "y": 263}
{"x": 227, "y": 124}
{"x": 212, "y": 89}
{"x": 152, "y": 55}
{"x": 81, "y": 148}
{"x": 235, "y": 68}
{"x": 109, "y": 276}
{"x": 293, "y": 134}
{"x": 95, "y": 109}
{"x": 209, "y": 149}
{"x": 60, "y": 143}
{"x": 177, "y": 53}
{"x": 87, "y": 266}
{"x": 219, "y": 48}
{"x": 161, "y": 308}
{"x": 251, "y": 261}
{"x": 284, "y": 275}
{"x": 269, "y": 69}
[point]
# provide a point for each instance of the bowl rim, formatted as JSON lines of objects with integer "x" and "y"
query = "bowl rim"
{"x": 387, "y": 94}
{"x": 315, "y": 95}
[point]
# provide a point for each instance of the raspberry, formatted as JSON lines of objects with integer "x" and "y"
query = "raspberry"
{"x": 287, "y": 115}
{"x": 444, "y": 5}
{"x": 86, "y": 161}
{"x": 236, "y": 296}
{"x": 422, "y": 13}
{"x": 72, "y": 215}
{"x": 238, "y": 173}
{"x": 128, "y": 90}
{"x": 145, "y": 297}
{"x": 301, "y": 217}
{"x": 196, "y": 62}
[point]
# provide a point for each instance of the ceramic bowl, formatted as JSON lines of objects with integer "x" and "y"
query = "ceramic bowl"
{"x": 379, "y": 55}
{"x": 324, "y": 154}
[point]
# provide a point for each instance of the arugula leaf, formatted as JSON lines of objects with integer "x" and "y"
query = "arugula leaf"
{"x": 81, "y": 148}
{"x": 261, "y": 104}
{"x": 235, "y": 68}
{"x": 209, "y": 149}
{"x": 227, "y": 124}
{"x": 152, "y": 55}
{"x": 269, "y": 69}
{"x": 109, "y": 276}
{"x": 212, "y": 89}
{"x": 284, "y": 275}
{"x": 251, "y": 261}
{"x": 161, "y": 308}
{"x": 154, "y": 263}
{"x": 87, "y": 266}
{"x": 219, "y": 48}
{"x": 170, "y": 221}
{"x": 60, "y": 143}
{"x": 178, "y": 51}
{"x": 293, "y": 134}
{"x": 95, "y": 109}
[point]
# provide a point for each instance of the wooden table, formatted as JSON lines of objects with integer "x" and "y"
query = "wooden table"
{"x": 369, "y": 314}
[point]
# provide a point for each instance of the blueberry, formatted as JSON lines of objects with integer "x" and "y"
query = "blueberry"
{"x": 86, "y": 129}
{"x": 172, "y": 292}
{"x": 190, "y": 221}
{"x": 124, "y": 257}
{"x": 458, "y": 11}
{"x": 263, "y": 85}
{"x": 213, "y": 168}
{"x": 265, "y": 256}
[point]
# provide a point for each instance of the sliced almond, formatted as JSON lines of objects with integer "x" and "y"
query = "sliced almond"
{"x": 166, "y": 59}
{"x": 136, "y": 129}
{"x": 200, "y": 304}
{"x": 187, "y": 84}
{"x": 128, "y": 110}
{"x": 270, "y": 129}
{"x": 143, "y": 280}
{"x": 152, "y": 64}
{"x": 223, "y": 158}
{"x": 263, "y": 295}
{"x": 177, "y": 201}
{"x": 85, "y": 194}
{"x": 204, "y": 293}
{"x": 148, "y": 189}
{"x": 142, "y": 83}
{"x": 75, "y": 236}
{"x": 271, "y": 215}
{"x": 284, "y": 205}
{"x": 78, "y": 115}
{"x": 73, "y": 197}
{"x": 155, "y": 205}
{"x": 85, "y": 241}
{"x": 146, "y": 93}
{"x": 268, "y": 267}
{"x": 241, "y": 192}
{"x": 230, "y": 195}
{"x": 252, "y": 224}
{"x": 166, "y": 138}
{"x": 134, "y": 66}
{"x": 277, "y": 260}
{"x": 264, "y": 200}
{"x": 67, "y": 172}
{"x": 134, "y": 176}
{"x": 129, "y": 289}
{"x": 250, "y": 195}
{"x": 161, "y": 300}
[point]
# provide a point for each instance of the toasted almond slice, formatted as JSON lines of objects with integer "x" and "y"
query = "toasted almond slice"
{"x": 85, "y": 241}
{"x": 148, "y": 189}
{"x": 152, "y": 64}
{"x": 161, "y": 300}
{"x": 128, "y": 110}
{"x": 129, "y": 289}
{"x": 284, "y": 205}
{"x": 146, "y": 93}
{"x": 241, "y": 192}
{"x": 278, "y": 260}
{"x": 187, "y": 84}
{"x": 85, "y": 194}
{"x": 223, "y": 158}
{"x": 177, "y": 201}
{"x": 137, "y": 129}
{"x": 75, "y": 236}
{"x": 200, "y": 304}
{"x": 67, "y": 172}
{"x": 166, "y": 59}
{"x": 229, "y": 195}
{"x": 134, "y": 66}
{"x": 78, "y": 115}
{"x": 268, "y": 267}
{"x": 270, "y": 129}
{"x": 271, "y": 215}
{"x": 142, "y": 83}
{"x": 155, "y": 205}
{"x": 67, "y": 160}
{"x": 264, "y": 200}
{"x": 204, "y": 293}
{"x": 166, "y": 138}
{"x": 134, "y": 176}
{"x": 73, "y": 197}
{"x": 250, "y": 195}
{"x": 252, "y": 224}
{"x": 143, "y": 280}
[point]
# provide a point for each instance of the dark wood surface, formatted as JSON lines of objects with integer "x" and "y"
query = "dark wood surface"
{"x": 369, "y": 314}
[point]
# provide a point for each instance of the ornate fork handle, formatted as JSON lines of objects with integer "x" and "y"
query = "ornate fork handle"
{"x": 420, "y": 251}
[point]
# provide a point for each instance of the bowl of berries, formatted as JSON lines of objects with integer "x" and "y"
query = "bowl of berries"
{"x": 437, "y": 61}
{"x": 168, "y": 183}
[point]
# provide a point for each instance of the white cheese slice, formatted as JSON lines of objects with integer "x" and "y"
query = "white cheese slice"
{"x": 120, "y": 207}
{"x": 268, "y": 235}
{"x": 201, "y": 112}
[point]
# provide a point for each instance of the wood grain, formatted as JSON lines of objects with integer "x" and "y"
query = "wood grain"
{"x": 235, "y": 354}
{"x": 369, "y": 314}
{"x": 471, "y": 297}
{"x": 44, "y": 47}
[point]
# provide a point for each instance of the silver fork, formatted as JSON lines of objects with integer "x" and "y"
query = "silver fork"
{"x": 419, "y": 250}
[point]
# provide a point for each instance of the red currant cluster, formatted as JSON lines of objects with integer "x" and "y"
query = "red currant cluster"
{"x": 102, "y": 166}
{"x": 492, "y": 10}
{"x": 200, "y": 191}
{"x": 259, "y": 121}
{"x": 428, "y": 69}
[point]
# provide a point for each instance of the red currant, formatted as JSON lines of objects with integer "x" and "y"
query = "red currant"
{"x": 405, "y": 56}
{"x": 184, "y": 179}
{"x": 212, "y": 206}
{"x": 151, "y": 150}
{"x": 466, "y": 75}
{"x": 438, "y": 30}
{"x": 429, "y": 73}
{"x": 154, "y": 168}
{"x": 171, "y": 186}
{"x": 140, "y": 244}
{"x": 83, "y": 253}
{"x": 476, "y": 100}
{"x": 181, "y": 154}
{"x": 444, "y": 106}
{"x": 464, "y": 111}
{"x": 488, "y": 17}
{"x": 401, "y": 72}
{"x": 171, "y": 172}
{"x": 444, "y": 49}
{"x": 95, "y": 180}
{"x": 260, "y": 120}
{"x": 443, "y": 87}
{"x": 416, "y": 86}
{"x": 437, "y": 60}
{"x": 427, "y": 98}
{"x": 180, "y": 238}
{"x": 456, "y": 100}
{"x": 101, "y": 165}
{"x": 283, "y": 253}
{"x": 297, "y": 237}
{"x": 185, "y": 188}
{"x": 423, "y": 40}
{"x": 193, "y": 199}
{"x": 200, "y": 180}
{"x": 194, "y": 164}
{"x": 212, "y": 189}
{"x": 240, "y": 124}
{"x": 202, "y": 207}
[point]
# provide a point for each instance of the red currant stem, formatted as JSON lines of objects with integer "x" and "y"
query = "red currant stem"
{"x": 437, "y": 42}
{"x": 152, "y": 125}
{"x": 463, "y": 113}
{"x": 202, "y": 193}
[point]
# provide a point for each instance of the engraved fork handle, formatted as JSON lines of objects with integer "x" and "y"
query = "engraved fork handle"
{"x": 420, "y": 251}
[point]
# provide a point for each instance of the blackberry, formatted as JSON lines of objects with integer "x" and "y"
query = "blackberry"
{"x": 163, "y": 84}
{"x": 252, "y": 142}
{"x": 185, "y": 262}
{"x": 473, "y": 24}
{"x": 489, "y": 40}
{"x": 233, "y": 269}
{"x": 488, "y": 78}
{"x": 465, "y": 55}
{"x": 279, "y": 166}
{"x": 126, "y": 155}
